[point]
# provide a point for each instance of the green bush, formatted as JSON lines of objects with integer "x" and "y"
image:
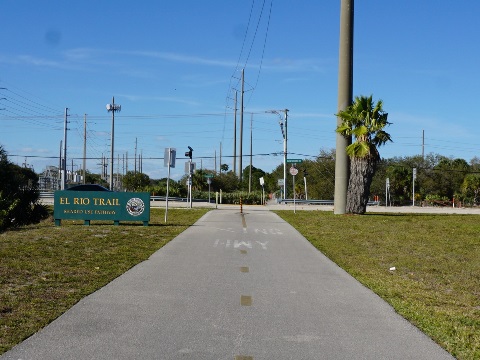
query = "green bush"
{"x": 19, "y": 195}
{"x": 253, "y": 198}
{"x": 434, "y": 199}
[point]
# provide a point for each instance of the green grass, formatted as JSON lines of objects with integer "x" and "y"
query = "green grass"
{"x": 44, "y": 269}
{"x": 436, "y": 284}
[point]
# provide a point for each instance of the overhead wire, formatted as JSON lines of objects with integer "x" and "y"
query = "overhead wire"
{"x": 263, "y": 50}
{"x": 245, "y": 62}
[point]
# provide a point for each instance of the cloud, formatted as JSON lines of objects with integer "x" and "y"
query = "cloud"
{"x": 38, "y": 61}
{"x": 277, "y": 64}
{"x": 34, "y": 151}
{"x": 80, "y": 54}
{"x": 180, "y": 58}
{"x": 297, "y": 65}
{"x": 73, "y": 58}
{"x": 172, "y": 99}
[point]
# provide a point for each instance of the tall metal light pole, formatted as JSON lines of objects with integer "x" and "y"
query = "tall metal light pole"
{"x": 64, "y": 162}
{"x": 251, "y": 155}
{"x": 283, "y": 127}
{"x": 241, "y": 129}
{"x": 112, "y": 107}
{"x": 84, "y": 148}
{"x": 345, "y": 90}
{"x": 235, "y": 137}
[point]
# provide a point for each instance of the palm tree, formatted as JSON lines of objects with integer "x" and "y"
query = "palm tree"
{"x": 365, "y": 121}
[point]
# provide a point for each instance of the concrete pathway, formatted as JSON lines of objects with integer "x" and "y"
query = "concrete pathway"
{"x": 233, "y": 286}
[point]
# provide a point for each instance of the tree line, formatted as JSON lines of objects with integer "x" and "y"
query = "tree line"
{"x": 439, "y": 179}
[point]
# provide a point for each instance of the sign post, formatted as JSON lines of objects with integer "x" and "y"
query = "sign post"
{"x": 281, "y": 184}
{"x": 294, "y": 162}
{"x": 262, "y": 183}
{"x": 387, "y": 190}
{"x": 305, "y": 173}
{"x": 168, "y": 161}
{"x": 413, "y": 183}
{"x": 189, "y": 154}
{"x": 293, "y": 172}
{"x": 209, "y": 182}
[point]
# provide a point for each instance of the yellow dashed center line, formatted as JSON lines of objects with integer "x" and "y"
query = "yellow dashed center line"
{"x": 246, "y": 300}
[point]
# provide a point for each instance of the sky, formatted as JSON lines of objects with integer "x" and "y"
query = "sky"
{"x": 175, "y": 67}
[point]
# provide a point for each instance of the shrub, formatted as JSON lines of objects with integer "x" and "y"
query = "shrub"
{"x": 19, "y": 195}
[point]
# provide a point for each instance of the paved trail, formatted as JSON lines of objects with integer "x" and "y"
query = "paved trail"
{"x": 233, "y": 286}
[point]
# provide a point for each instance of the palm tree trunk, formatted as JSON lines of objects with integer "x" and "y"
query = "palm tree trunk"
{"x": 361, "y": 174}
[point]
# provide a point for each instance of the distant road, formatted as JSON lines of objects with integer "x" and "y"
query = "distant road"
{"x": 274, "y": 206}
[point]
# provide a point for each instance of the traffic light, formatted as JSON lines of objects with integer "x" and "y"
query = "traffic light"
{"x": 189, "y": 153}
{"x": 305, "y": 173}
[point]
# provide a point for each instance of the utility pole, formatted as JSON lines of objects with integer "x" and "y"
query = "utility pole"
{"x": 285, "y": 141}
{"x": 220, "y": 157}
{"x": 102, "y": 166}
{"x": 64, "y": 162}
{"x": 84, "y": 147}
{"x": 135, "y": 156}
{"x": 251, "y": 150}
{"x": 345, "y": 90}
{"x": 112, "y": 107}
{"x": 118, "y": 170}
{"x": 283, "y": 128}
{"x": 60, "y": 179}
{"x": 241, "y": 127}
{"x": 423, "y": 144}
{"x": 235, "y": 137}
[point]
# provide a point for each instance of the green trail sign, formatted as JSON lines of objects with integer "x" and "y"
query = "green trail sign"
{"x": 294, "y": 161}
{"x": 101, "y": 205}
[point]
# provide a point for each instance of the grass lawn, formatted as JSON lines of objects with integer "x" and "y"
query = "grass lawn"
{"x": 436, "y": 281}
{"x": 44, "y": 269}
